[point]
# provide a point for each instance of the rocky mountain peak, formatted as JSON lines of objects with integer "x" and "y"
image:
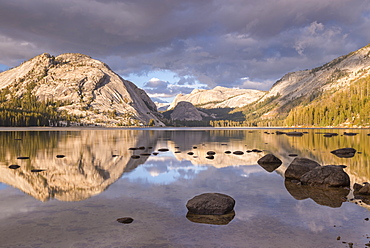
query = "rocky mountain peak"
{"x": 185, "y": 111}
{"x": 219, "y": 97}
{"x": 88, "y": 88}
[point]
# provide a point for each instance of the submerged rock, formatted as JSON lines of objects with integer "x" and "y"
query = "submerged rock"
{"x": 344, "y": 152}
{"x": 13, "y": 166}
{"x": 300, "y": 166}
{"x": 222, "y": 219}
{"x": 211, "y": 204}
{"x": 23, "y": 157}
{"x": 279, "y": 132}
{"x": 292, "y": 155}
{"x": 329, "y": 175}
{"x": 256, "y": 150}
{"x": 349, "y": 134}
{"x": 125, "y": 220}
{"x": 294, "y": 134}
{"x": 269, "y": 162}
{"x": 332, "y": 197}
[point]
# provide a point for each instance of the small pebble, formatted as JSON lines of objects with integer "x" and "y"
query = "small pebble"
{"x": 14, "y": 166}
{"x": 125, "y": 220}
{"x": 163, "y": 150}
{"x": 23, "y": 157}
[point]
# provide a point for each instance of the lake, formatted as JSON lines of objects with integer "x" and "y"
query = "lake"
{"x": 73, "y": 184}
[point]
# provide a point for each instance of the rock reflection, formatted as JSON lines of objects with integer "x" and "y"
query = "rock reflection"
{"x": 326, "y": 196}
{"x": 223, "y": 219}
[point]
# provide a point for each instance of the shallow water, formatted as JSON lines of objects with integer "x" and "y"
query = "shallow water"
{"x": 75, "y": 200}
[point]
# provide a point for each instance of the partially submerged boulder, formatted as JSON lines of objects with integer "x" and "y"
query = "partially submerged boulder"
{"x": 300, "y": 166}
{"x": 329, "y": 175}
{"x": 294, "y": 134}
{"x": 361, "y": 189}
{"x": 211, "y": 204}
{"x": 344, "y": 152}
{"x": 269, "y": 162}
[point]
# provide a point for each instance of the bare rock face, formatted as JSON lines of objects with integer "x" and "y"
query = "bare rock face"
{"x": 329, "y": 175}
{"x": 211, "y": 204}
{"x": 300, "y": 166}
{"x": 185, "y": 111}
{"x": 219, "y": 97}
{"x": 86, "y": 87}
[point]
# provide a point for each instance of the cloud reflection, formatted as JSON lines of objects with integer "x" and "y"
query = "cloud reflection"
{"x": 164, "y": 171}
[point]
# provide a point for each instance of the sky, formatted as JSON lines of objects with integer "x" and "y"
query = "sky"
{"x": 169, "y": 47}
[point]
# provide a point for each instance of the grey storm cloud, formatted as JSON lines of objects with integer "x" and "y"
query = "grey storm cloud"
{"x": 158, "y": 88}
{"x": 213, "y": 41}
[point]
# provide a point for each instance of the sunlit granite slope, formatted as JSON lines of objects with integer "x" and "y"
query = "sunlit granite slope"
{"x": 87, "y": 88}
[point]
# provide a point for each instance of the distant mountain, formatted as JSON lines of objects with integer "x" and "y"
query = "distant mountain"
{"x": 78, "y": 86}
{"x": 335, "y": 94}
{"x": 185, "y": 111}
{"x": 219, "y": 97}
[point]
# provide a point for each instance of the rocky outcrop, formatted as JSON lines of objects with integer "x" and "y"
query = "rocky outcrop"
{"x": 185, "y": 111}
{"x": 85, "y": 87}
{"x": 219, "y": 97}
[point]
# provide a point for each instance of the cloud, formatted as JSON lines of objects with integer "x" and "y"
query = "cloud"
{"x": 213, "y": 42}
{"x": 157, "y": 88}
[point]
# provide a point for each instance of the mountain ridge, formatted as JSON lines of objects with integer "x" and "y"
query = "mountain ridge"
{"x": 88, "y": 88}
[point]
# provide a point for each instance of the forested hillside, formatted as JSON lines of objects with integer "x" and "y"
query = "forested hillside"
{"x": 349, "y": 106}
{"x": 26, "y": 110}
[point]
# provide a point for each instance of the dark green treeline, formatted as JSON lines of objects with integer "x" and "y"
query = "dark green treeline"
{"x": 25, "y": 110}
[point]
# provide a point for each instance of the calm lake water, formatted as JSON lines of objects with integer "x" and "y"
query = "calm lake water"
{"x": 74, "y": 201}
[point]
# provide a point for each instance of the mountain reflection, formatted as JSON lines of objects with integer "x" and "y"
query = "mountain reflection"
{"x": 94, "y": 159}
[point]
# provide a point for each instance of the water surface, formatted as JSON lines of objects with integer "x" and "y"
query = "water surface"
{"x": 75, "y": 200}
